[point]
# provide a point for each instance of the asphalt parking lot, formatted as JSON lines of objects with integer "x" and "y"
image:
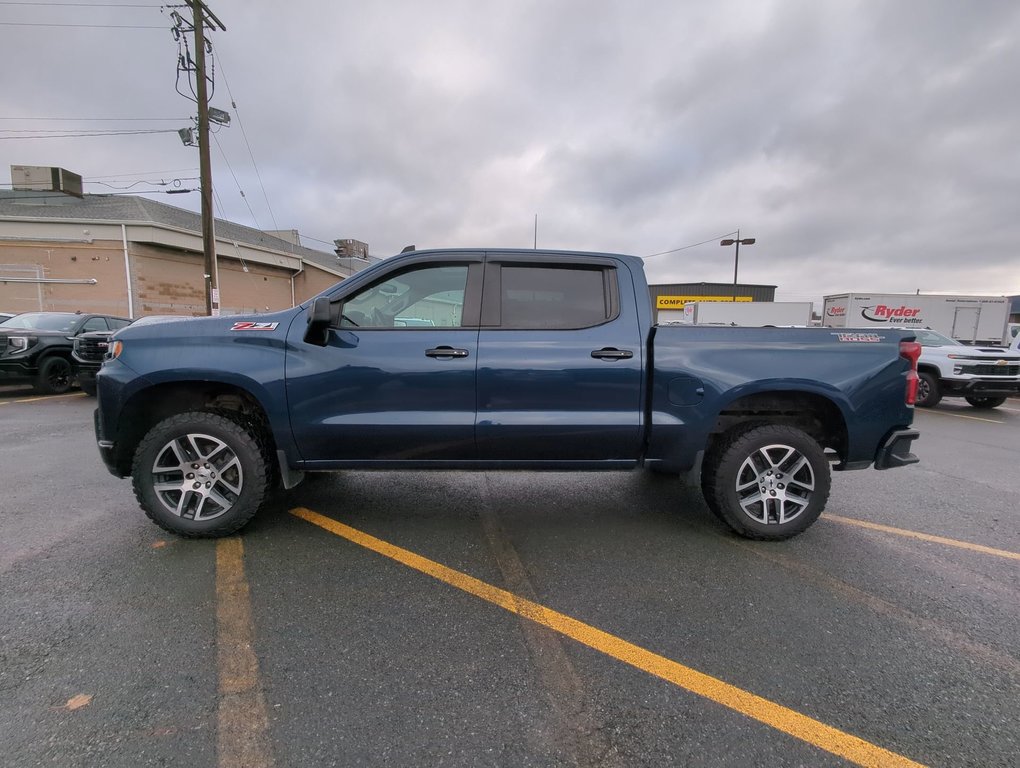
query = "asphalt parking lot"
{"x": 510, "y": 619}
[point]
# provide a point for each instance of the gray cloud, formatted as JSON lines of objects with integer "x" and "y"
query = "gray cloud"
{"x": 868, "y": 146}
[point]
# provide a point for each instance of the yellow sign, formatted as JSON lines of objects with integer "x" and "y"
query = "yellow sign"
{"x": 677, "y": 302}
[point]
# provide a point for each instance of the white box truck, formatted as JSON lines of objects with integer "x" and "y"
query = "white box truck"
{"x": 745, "y": 313}
{"x": 970, "y": 319}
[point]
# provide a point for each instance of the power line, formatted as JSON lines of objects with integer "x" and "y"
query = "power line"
{"x": 83, "y": 131}
{"x": 176, "y": 181}
{"x": 244, "y": 134}
{"x": 139, "y": 173}
{"x": 87, "y": 135}
{"x": 83, "y": 5}
{"x": 103, "y": 119}
{"x": 51, "y": 195}
{"x": 87, "y": 26}
{"x": 685, "y": 247}
{"x": 236, "y": 182}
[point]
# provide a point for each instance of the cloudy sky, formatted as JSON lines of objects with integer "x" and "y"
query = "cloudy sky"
{"x": 866, "y": 145}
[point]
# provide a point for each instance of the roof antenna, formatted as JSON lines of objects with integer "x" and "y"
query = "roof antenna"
{"x": 408, "y": 249}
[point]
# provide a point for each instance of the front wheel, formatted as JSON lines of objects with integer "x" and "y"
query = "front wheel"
{"x": 54, "y": 376}
{"x": 769, "y": 482}
{"x": 986, "y": 402}
{"x": 199, "y": 475}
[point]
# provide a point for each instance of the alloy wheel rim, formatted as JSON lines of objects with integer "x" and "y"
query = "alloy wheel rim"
{"x": 197, "y": 477}
{"x": 775, "y": 484}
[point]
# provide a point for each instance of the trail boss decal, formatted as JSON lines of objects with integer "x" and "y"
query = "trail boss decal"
{"x": 858, "y": 337}
{"x": 250, "y": 326}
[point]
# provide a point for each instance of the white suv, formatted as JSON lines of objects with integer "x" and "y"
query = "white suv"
{"x": 985, "y": 376}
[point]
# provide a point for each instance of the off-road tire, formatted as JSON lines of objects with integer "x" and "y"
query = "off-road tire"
{"x": 713, "y": 455}
{"x": 929, "y": 393}
{"x": 985, "y": 402}
{"x": 54, "y": 377}
{"x": 200, "y": 474}
{"x": 767, "y": 482}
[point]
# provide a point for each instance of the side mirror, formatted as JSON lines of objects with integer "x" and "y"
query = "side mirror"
{"x": 318, "y": 322}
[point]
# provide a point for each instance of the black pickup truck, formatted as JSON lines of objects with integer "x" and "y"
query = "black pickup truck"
{"x": 35, "y": 347}
{"x": 90, "y": 350}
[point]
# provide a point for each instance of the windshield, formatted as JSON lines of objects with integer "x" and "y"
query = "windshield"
{"x": 43, "y": 321}
{"x": 932, "y": 339}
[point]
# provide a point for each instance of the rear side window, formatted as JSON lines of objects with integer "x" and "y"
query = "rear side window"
{"x": 554, "y": 297}
{"x": 95, "y": 324}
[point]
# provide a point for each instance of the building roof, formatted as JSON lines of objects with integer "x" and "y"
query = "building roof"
{"x": 21, "y": 204}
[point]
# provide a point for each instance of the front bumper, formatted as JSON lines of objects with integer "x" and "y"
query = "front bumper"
{"x": 895, "y": 449}
{"x": 983, "y": 387}
{"x": 17, "y": 369}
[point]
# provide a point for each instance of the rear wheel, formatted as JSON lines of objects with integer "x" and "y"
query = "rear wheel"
{"x": 200, "y": 475}
{"x": 986, "y": 402}
{"x": 54, "y": 376}
{"x": 928, "y": 391}
{"x": 768, "y": 482}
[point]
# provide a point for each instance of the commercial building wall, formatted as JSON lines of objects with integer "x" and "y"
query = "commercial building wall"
{"x": 163, "y": 280}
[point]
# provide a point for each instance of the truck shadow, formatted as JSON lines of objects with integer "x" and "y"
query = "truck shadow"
{"x": 537, "y": 500}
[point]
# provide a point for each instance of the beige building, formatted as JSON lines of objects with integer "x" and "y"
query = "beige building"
{"x": 131, "y": 256}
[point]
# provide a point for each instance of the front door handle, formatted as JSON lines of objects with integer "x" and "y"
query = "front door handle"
{"x": 611, "y": 353}
{"x": 445, "y": 353}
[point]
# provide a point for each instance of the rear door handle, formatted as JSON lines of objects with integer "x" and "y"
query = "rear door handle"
{"x": 611, "y": 353}
{"x": 445, "y": 353}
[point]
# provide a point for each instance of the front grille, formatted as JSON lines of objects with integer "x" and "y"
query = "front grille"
{"x": 3, "y": 345}
{"x": 988, "y": 369}
{"x": 93, "y": 350}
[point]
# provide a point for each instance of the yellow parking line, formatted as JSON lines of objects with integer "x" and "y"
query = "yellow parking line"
{"x": 44, "y": 397}
{"x": 788, "y": 721}
{"x": 925, "y": 537}
{"x": 958, "y": 416}
{"x": 242, "y": 727}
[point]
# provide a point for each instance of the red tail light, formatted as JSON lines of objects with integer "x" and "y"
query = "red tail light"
{"x": 911, "y": 351}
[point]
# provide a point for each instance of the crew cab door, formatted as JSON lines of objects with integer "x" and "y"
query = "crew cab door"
{"x": 395, "y": 381}
{"x": 560, "y": 358}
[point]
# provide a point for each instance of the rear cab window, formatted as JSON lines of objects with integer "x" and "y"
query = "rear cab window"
{"x": 519, "y": 295}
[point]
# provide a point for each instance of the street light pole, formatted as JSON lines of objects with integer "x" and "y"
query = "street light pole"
{"x": 736, "y": 256}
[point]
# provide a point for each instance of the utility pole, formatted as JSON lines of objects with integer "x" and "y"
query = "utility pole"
{"x": 212, "y": 298}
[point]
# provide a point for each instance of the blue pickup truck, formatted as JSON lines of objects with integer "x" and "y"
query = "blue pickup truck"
{"x": 498, "y": 359}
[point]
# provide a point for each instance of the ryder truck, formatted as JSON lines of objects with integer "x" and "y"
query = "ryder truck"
{"x": 969, "y": 319}
{"x": 514, "y": 360}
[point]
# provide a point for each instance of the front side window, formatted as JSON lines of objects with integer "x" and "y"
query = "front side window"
{"x": 553, "y": 297}
{"x": 428, "y": 297}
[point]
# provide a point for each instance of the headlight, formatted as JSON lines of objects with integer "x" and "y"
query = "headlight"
{"x": 19, "y": 343}
{"x": 114, "y": 350}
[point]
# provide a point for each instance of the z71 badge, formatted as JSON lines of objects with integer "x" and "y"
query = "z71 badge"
{"x": 250, "y": 326}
